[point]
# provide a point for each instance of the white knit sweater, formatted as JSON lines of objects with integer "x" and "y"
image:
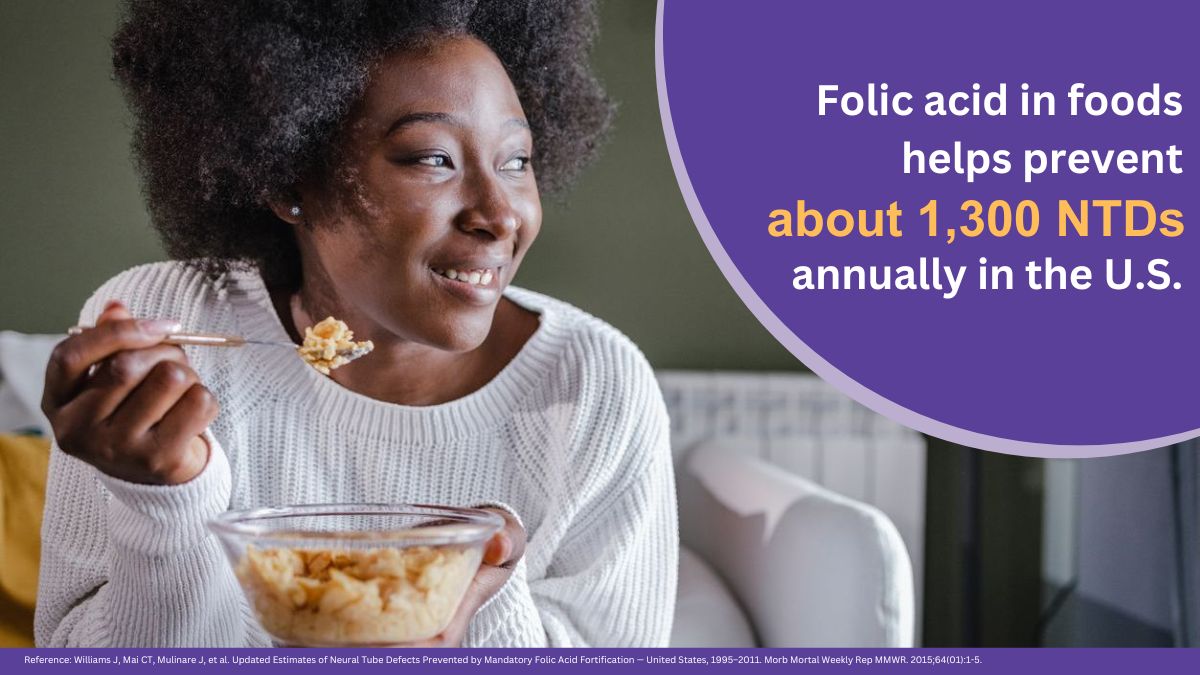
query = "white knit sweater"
{"x": 572, "y": 435}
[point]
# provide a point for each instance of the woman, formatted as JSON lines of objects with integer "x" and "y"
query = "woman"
{"x": 372, "y": 161}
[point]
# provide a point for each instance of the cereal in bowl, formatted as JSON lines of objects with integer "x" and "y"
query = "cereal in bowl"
{"x": 376, "y": 596}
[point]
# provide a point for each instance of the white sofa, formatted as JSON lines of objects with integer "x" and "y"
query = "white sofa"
{"x": 804, "y": 511}
{"x": 806, "y": 567}
{"x": 770, "y": 558}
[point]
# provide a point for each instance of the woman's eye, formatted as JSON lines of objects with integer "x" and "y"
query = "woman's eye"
{"x": 434, "y": 160}
{"x": 516, "y": 164}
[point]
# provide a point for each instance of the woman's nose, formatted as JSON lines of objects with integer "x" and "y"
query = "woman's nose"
{"x": 489, "y": 210}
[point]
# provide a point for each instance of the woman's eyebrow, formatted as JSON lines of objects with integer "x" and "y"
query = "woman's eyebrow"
{"x": 417, "y": 117}
{"x": 444, "y": 118}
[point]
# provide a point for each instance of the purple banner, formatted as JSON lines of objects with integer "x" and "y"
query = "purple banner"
{"x": 982, "y": 661}
{"x": 810, "y": 140}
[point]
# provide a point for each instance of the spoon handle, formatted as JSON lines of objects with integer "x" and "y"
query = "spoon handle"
{"x": 201, "y": 339}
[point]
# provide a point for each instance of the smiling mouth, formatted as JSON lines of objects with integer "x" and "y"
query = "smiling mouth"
{"x": 476, "y": 277}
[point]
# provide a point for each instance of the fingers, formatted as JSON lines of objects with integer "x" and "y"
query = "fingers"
{"x": 138, "y": 446}
{"x": 507, "y": 546}
{"x": 115, "y": 378}
{"x": 173, "y": 468}
{"x": 113, "y": 310}
{"x": 74, "y": 356}
{"x": 498, "y": 550}
{"x": 131, "y": 406}
{"x": 188, "y": 418}
{"x": 160, "y": 391}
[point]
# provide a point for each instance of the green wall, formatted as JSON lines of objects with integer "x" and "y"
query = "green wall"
{"x": 70, "y": 210}
{"x": 621, "y": 245}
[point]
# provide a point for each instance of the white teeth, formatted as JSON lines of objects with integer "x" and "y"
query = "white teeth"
{"x": 473, "y": 277}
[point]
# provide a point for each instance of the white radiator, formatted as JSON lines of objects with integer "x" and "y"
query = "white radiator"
{"x": 801, "y": 424}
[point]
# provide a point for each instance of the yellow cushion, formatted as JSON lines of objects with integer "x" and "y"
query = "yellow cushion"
{"x": 23, "y": 462}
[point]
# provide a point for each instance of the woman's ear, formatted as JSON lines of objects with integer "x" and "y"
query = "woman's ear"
{"x": 289, "y": 210}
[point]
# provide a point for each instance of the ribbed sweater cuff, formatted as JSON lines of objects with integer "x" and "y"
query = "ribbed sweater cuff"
{"x": 503, "y": 507}
{"x": 509, "y": 617}
{"x": 158, "y": 519}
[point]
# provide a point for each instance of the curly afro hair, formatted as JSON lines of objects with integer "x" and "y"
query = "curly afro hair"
{"x": 238, "y": 101}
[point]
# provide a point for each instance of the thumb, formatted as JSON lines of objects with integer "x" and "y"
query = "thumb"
{"x": 114, "y": 310}
{"x": 498, "y": 550}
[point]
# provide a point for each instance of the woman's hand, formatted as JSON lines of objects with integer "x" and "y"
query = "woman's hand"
{"x": 128, "y": 405}
{"x": 500, "y": 556}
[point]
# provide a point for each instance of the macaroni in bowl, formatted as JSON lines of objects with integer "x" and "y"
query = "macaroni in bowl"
{"x": 377, "y": 596}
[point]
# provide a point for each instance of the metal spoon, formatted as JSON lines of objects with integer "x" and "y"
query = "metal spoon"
{"x": 218, "y": 340}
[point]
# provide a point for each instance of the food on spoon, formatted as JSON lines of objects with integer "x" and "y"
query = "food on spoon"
{"x": 330, "y": 344}
{"x": 379, "y": 596}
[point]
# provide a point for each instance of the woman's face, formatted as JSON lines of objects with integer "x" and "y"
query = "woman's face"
{"x": 445, "y": 202}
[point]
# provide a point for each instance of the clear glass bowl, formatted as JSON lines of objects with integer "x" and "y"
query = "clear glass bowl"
{"x": 338, "y": 575}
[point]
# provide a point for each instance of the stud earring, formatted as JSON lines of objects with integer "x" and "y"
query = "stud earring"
{"x": 295, "y": 211}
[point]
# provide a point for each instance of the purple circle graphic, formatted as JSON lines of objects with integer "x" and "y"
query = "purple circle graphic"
{"x": 1084, "y": 370}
